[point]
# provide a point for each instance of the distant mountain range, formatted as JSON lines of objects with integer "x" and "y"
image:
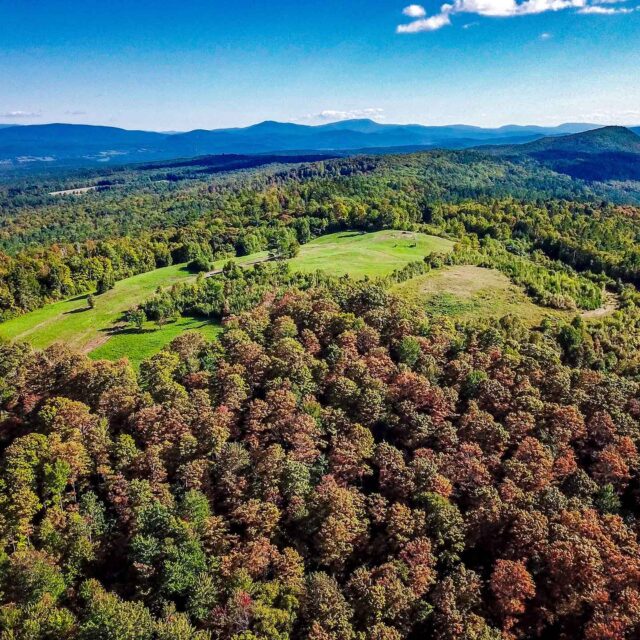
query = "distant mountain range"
{"x": 86, "y": 145}
{"x": 580, "y": 150}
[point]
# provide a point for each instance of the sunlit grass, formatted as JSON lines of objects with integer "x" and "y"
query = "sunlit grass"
{"x": 100, "y": 333}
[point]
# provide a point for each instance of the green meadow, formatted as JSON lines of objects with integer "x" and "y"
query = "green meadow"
{"x": 367, "y": 254}
{"x": 100, "y": 333}
{"x": 139, "y": 345}
{"x": 466, "y": 291}
{"x": 73, "y": 323}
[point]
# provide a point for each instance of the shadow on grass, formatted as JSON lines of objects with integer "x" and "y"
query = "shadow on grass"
{"x": 119, "y": 331}
{"x": 351, "y": 234}
{"x": 78, "y": 310}
{"x": 124, "y": 330}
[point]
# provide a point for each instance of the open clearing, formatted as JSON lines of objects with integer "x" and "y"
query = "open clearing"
{"x": 367, "y": 254}
{"x": 137, "y": 346}
{"x": 94, "y": 331}
{"x": 465, "y": 291}
{"x": 73, "y": 323}
{"x": 73, "y": 192}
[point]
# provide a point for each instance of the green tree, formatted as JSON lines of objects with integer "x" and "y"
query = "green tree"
{"x": 283, "y": 244}
{"x": 409, "y": 351}
{"x": 136, "y": 318}
{"x": 106, "y": 282}
{"x": 108, "y": 617}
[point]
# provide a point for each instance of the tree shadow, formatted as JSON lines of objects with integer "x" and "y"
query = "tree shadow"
{"x": 120, "y": 330}
{"x": 78, "y": 310}
{"x": 351, "y": 234}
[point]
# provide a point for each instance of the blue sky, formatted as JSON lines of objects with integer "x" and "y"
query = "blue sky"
{"x": 178, "y": 65}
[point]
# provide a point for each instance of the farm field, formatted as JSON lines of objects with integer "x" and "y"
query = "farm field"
{"x": 96, "y": 331}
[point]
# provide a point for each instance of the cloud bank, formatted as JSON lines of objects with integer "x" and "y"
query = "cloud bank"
{"x": 333, "y": 115}
{"x": 605, "y": 11}
{"x": 20, "y": 114}
{"x": 501, "y": 9}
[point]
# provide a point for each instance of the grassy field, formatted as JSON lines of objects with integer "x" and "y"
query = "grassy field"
{"x": 466, "y": 291}
{"x": 96, "y": 331}
{"x": 367, "y": 254}
{"x": 73, "y": 323}
{"x": 137, "y": 346}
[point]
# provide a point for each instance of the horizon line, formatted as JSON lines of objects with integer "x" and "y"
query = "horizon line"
{"x": 7, "y": 125}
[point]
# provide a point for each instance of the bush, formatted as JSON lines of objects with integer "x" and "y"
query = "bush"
{"x": 200, "y": 264}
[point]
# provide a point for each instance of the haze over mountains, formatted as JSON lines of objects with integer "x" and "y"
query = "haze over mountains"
{"x": 79, "y": 145}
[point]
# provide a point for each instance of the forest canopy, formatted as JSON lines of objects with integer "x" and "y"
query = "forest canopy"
{"x": 341, "y": 463}
{"x": 338, "y": 466}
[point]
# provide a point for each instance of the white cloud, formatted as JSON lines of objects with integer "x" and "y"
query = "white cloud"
{"x": 20, "y": 114}
{"x": 485, "y": 7}
{"x": 503, "y": 9}
{"x": 334, "y": 115}
{"x": 426, "y": 24}
{"x": 414, "y": 11}
{"x": 541, "y": 6}
{"x": 545, "y": 36}
{"x": 509, "y": 8}
{"x": 604, "y": 11}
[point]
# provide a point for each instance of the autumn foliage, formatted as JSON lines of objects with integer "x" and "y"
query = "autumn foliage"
{"x": 336, "y": 467}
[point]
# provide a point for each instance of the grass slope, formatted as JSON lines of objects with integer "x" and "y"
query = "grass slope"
{"x": 95, "y": 331}
{"x": 468, "y": 291}
{"x": 71, "y": 322}
{"x": 366, "y": 254}
{"x": 138, "y": 346}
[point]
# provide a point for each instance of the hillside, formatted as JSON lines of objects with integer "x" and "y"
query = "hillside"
{"x": 161, "y": 195}
{"x": 336, "y": 466}
{"x": 418, "y": 418}
{"x": 608, "y": 153}
{"x": 101, "y": 331}
{"x": 596, "y": 141}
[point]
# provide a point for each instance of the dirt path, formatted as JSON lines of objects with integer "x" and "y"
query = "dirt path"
{"x": 94, "y": 343}
{"x": 609, "y": 306}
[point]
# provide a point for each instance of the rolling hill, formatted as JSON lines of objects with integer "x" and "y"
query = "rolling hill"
{"x": 608, "y": 153}
{"x": 595, "y": 141}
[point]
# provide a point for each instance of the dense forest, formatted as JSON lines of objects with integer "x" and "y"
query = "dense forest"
{"x": 342, "y": 463}
{"x": 337, "y": 466}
